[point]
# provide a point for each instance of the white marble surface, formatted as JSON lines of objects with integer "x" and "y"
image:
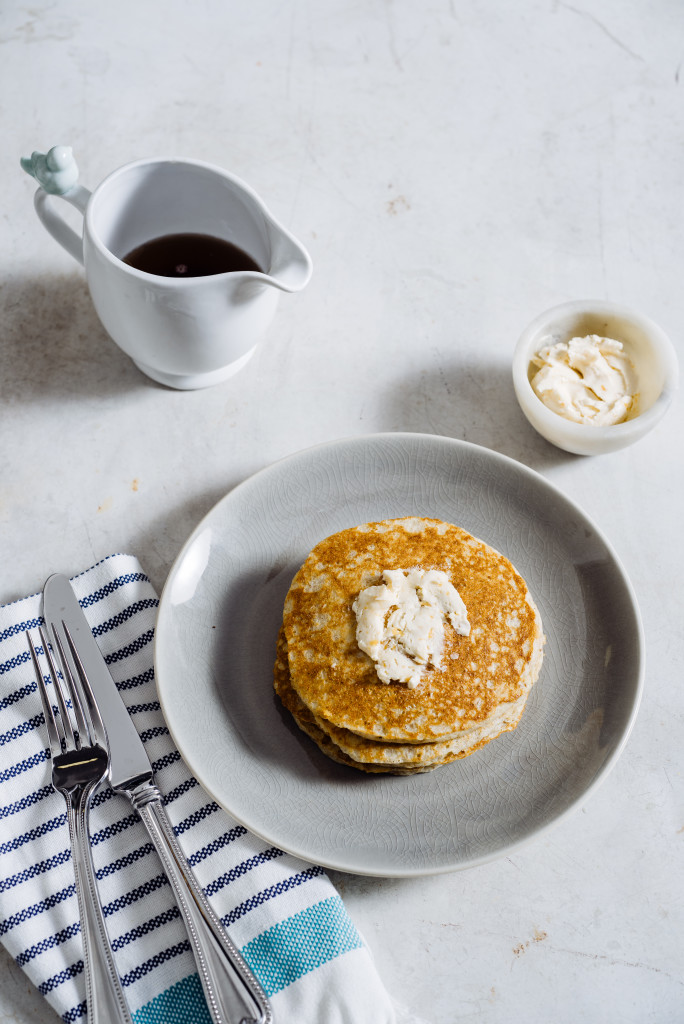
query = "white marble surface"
{"x": 454, "y": 169}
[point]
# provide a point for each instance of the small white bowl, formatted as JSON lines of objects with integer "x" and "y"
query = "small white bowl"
{"x": 645, "y": 344}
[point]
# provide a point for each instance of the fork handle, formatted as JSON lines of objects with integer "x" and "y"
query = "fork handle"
{"x": 233, "y": 994}
{"x": 104, "y": 995}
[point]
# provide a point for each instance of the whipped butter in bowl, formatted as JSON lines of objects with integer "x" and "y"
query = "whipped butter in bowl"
{"x": 593, "y": 377}
{"x": 587, "y": 380}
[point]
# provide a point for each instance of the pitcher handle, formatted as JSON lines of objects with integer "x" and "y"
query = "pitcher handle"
{"x": 44, "y": 203}
{"x": 57, "y": 174}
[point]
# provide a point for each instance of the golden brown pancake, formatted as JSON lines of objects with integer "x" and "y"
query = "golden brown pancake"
{"x": 374, "y": 755}
{"x": 307, "y": 723}
{"x": 477, "y": 690}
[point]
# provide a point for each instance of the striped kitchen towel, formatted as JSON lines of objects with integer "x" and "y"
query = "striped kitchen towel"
{"x": 284, "y": 915}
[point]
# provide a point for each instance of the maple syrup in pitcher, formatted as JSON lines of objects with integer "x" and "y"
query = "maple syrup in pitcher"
{"x": 189, "y": 255}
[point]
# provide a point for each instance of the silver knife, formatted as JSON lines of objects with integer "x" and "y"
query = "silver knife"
{"x": 233, "y": 994}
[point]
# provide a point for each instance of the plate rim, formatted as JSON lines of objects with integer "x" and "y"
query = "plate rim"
{"x": 457, "y": 444}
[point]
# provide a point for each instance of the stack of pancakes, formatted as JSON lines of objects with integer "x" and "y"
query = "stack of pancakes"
{"x": 477, "y": 691}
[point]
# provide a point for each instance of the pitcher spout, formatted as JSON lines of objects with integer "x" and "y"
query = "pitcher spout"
{"x": 291, "y": 266}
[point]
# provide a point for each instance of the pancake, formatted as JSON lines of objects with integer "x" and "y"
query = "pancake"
{"x": 490, "y": 669}
{"x": 374, "y": 755}
{"x": 307, "y": 723}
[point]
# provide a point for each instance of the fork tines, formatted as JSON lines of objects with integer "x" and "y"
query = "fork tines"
{"x": 63, "y": 733}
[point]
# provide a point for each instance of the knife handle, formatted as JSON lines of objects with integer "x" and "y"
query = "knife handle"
{"x": 233, "y": 994}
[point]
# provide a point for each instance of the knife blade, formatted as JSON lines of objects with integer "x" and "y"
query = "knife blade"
{"x": 233, "y": 994}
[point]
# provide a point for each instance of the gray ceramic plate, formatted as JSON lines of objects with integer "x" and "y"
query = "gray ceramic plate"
{"x": 220, "y": 613}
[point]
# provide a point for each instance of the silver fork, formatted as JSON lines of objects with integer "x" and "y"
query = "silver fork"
{"x": 80, "y": 759}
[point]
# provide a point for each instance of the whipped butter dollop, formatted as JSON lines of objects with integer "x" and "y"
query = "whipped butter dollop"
{"x": 586, "y": 380}
{"x": 401, "y": 622}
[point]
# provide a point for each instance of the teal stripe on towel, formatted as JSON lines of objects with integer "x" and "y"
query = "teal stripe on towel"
{"x": 300, "y": 944}
{"x": 183, "y": 1003}
{"x": 278, "y": 956}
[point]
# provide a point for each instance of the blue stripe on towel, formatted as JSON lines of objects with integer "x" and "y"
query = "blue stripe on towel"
{"x": 146, "y": 927}
{"x": 37, "y": 722}
{"x": 37, "y": 908}
{"x": 34, "y": 833}
{"x": 26, "y": 801}
{"x": 240, "y": 869}
{"x": 192, "y": 819}
{"x": 291, "y": 882}
{"x": 165, "y": 761}
{"x": 124, "y": 616}
{"x": 180, "y": 790}
{"x": 75, "y": 1014}
{"x": 69, "y": 972}
{"x": 15, "y": 662}
{"x": 300, "y": 944}
{"x": 144, "y": 677}
{"x": 21, "y": 627}
{"x": 154, "y": 961}
{"x": 36, "y": 869}
{"x": 19, "y": 694}
{"x": 109, "y": 588}
{"x": 113, "y": 830}
{"x": 136, "y": 709}
{"x": 133, "y": 895}
{"x": 134, "y": 647}
{"x": 24, "y": 766}
{"x": 102, "y": 796}
{"x": 216, "y": 844}
{"x": 125, "y": 861}
{"x": 183, "y": 1003}
{"x": 150, "y": 734}
{"x": 49, "y": 943}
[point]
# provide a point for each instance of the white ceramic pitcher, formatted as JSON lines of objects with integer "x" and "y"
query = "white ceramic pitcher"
{"x": 183, "y": 332}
